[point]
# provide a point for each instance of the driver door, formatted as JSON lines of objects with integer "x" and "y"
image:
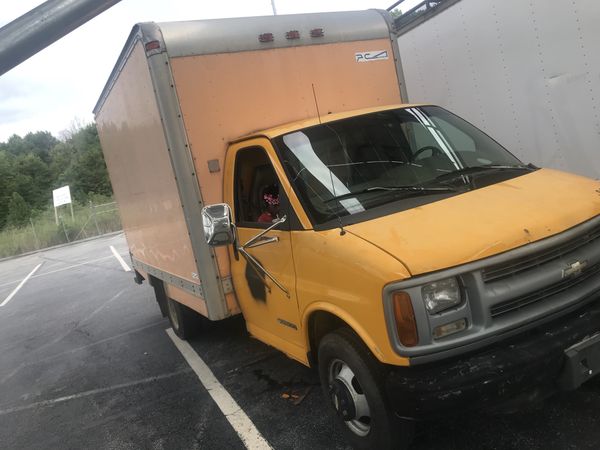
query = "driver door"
{"x": 263, "y": 268}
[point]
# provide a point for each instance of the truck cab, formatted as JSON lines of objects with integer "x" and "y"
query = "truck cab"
{"x": 407, "y": 233}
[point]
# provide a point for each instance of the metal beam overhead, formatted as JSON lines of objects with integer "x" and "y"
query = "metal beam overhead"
{"x": 43, "y": 25}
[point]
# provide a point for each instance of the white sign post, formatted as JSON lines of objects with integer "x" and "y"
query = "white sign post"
{"x": 62, "y": 196}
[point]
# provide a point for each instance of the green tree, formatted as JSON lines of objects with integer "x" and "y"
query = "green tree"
{"x": 33, "y": 180}
{"x": 39, "y": 143}
{"x": 91, "y": 176}
{"x": 33, "y": 165}
{"x": 395, "y": 13}
{"x": 18, "y": 211}
{"x": 5, "y": 188}
{"x": 82, "y": 162}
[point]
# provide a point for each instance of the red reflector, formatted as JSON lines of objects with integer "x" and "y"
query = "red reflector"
{"x": 266, "y": 37}
{"x": 317, "y": 32}
{"x": 152, "y": 45}
{"x": 294, "y": 34}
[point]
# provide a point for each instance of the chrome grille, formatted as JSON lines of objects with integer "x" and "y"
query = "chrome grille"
{"x": 520, "y": 265}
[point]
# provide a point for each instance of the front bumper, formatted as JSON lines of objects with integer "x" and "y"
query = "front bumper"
{"x": 532, "y": 364}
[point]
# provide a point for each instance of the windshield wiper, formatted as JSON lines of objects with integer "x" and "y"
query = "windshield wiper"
{"x": 476, "y": 169}
{"x": 418, "y": 190}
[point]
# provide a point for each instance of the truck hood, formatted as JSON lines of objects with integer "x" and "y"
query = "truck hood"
{"x": 484, "y": 222}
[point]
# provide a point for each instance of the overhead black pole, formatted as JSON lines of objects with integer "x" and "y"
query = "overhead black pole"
{"x": 43, "y": 25}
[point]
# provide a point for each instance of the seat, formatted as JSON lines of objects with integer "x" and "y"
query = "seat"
{"x": 264, "y": 176}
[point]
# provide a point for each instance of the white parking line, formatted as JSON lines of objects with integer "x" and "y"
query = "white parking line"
{"x": 124, "y": 265}
{"x": 91, "y": 392}
{"x": 238, "y": 419}
{"x": 15, "y": 290}
{"x": 60, "y": 270}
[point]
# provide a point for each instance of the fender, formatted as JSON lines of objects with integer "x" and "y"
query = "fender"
{"x": 351, "y": 322}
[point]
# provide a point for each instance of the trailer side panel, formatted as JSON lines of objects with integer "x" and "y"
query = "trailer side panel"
{"x": 526, "y": 72}
{"x": 145, "y": 188}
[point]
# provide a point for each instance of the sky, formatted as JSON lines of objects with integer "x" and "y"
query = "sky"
{"x": 56, "y": 89}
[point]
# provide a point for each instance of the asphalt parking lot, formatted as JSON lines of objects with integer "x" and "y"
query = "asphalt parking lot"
{"x": 85, "y": 362}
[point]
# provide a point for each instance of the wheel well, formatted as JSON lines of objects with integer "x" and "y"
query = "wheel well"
{"x": 321, "y": 323}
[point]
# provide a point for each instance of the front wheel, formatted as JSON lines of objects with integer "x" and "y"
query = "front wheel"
{"x": 351, "y": 380}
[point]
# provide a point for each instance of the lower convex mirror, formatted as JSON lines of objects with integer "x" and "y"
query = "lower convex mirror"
{"x": 217, "y": 224}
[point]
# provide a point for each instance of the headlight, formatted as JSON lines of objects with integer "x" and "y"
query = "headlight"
{"x": 441, "y": 295}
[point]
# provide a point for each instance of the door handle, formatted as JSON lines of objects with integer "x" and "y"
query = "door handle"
{"x": 263, "y": 240}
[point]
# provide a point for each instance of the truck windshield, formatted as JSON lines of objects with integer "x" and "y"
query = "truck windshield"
{"x": 356, "y": 164}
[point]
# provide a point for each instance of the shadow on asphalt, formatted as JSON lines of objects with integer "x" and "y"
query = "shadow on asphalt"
{"x": 284, "y": 400}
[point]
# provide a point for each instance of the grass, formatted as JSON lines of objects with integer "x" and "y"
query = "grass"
{"x": 42, "y": 231}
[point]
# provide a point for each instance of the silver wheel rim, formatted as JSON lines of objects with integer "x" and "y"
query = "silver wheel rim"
{"x": 173, "y": 314}
{"x": 339, "y": 370}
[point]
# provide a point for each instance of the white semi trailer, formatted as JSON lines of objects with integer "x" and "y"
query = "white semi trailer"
{"x": 528, "y": 73}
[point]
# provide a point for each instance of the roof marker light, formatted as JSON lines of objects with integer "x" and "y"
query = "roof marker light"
{"x": 317, "y": 32}
{"x": 152, "y": 45}
{"x": 293, "y": 34}
{"x": 266, "y": 37}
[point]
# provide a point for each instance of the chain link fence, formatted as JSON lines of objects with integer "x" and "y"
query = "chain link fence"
{"x": 43, "y": 232}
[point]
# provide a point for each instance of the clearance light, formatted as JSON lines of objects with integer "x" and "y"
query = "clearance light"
{"x": 152, "y": 45}
{"x": 405, "y": 319}
{"x": 266, "y": 37}
{"x": 294, "y": 34}
{"x": 450, "y": 328}
{"x": 317, "y": 32}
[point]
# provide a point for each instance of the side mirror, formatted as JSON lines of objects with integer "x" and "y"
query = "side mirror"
{"x": 216, "y": 220}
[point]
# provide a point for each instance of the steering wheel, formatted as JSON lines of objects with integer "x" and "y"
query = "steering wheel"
{"x": 434, "y": 151}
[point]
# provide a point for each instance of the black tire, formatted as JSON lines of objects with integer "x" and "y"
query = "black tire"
{"x": 381, "y": 429}
{"x": 186, "y": 322}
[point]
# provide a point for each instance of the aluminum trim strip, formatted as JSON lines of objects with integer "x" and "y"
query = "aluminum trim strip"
{"x": 192, "y": 288}
{"x": 397, "y": 57}
{"x": 187, "y": 184}
{"x": 188, "y": 286}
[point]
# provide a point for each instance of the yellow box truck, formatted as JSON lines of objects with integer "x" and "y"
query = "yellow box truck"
{"x": 267, "y": 166}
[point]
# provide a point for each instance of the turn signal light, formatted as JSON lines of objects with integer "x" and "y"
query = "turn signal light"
{"x": 406, "y": 323}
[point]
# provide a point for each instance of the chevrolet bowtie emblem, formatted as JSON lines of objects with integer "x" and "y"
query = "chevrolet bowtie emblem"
{"x": 574, "y": 269}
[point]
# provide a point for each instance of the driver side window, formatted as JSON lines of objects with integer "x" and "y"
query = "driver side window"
{"x": 258, "y": 199}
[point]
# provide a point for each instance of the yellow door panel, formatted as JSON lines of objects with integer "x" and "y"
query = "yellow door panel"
{"x": 262, "y": 267}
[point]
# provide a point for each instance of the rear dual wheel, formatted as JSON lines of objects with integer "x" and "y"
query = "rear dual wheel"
{"x": 351, "y": 378}
{"x": 186, "y": 322}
